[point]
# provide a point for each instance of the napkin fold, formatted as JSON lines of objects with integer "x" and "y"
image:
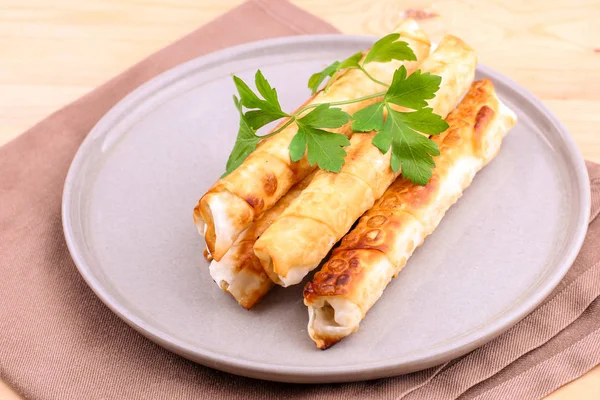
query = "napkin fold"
{"x": 58, "y": 341}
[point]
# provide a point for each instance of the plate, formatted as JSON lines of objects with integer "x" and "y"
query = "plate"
{"x": 127, "y": 217}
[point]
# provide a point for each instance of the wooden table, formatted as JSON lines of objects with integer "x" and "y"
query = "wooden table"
{"x": 52, "y": 52}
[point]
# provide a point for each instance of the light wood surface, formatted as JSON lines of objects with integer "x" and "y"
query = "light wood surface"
{"x": 52, "y": 52}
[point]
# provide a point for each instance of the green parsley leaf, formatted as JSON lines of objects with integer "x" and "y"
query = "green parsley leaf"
{"x": 411, "y": 151}
{"x": 265, "y": 89}
{"x": 245, "y": 142}
{"x": 316, "y": 79}
{"x": 269, "y": 104}
{"x": 369, "y": 118}
{"x": 247, "y": 97}
{"x": 351, "y": 62}
{"x": 389, "y": 48}
{"x": 259, "y": 118}
{"x": 424, "y": 121}
{"x": 412, "y": 91}
{"x": 324, "y": 148}
{"x": 263, "y": 110}
{"x": 297, "y": 147}
{"x": 323, "y": 116}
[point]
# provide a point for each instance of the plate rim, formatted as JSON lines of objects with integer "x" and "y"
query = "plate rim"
{"x": 306, "y": 374}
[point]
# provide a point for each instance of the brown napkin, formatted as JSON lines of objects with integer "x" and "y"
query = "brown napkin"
{"x": 58, "y": 341}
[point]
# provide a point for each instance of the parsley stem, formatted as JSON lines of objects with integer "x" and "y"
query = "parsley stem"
{"x": 329, "y": 82}
{"x": 339, "y": 103}
{"x": 295, "y": 115}
{"x": 276, "y": 131}
{"x": 371, "y": 96}
{"x": 372, "y": 77}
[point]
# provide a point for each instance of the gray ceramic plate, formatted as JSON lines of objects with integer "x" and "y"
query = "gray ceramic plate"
{"x": 127, "y": 215}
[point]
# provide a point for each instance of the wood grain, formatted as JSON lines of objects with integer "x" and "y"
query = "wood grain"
{"x": 53, "y": 52}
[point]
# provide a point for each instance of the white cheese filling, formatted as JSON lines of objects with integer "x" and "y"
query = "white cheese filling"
{"x": 240, "y": 284}
{"x": 218, "y": 208}
{"x": 222, "y": 273}
{"x": 333, "y": 318}
{"x": 201, "y": 226}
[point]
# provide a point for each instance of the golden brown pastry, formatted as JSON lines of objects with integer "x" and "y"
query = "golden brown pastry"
{"x": 306, "y": 231}
{"x": 238, "y": 199}
{"x": 354, "y": 278}
{"x": 239, "y": 272}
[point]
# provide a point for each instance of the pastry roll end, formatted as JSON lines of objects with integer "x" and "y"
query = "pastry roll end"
{"x": 287, "y": 264}
{"x": 219, "y": 216}
{"x": 489, "y": 143}
{"x": 330, "y": 320}
{"x": 341, "y": 293}
{"x": 241, "y": 275}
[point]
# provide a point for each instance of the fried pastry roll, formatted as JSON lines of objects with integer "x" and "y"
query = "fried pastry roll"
{"x": 359, "y": 270}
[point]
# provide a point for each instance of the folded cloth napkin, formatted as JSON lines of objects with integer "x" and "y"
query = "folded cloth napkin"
{"x": 58, "y": 341}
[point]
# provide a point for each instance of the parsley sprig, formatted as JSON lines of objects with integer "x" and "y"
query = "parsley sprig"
{"x": 385, "y": 49}
{"x": 411, "y": 151}
{"x": 400, "y": 131}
